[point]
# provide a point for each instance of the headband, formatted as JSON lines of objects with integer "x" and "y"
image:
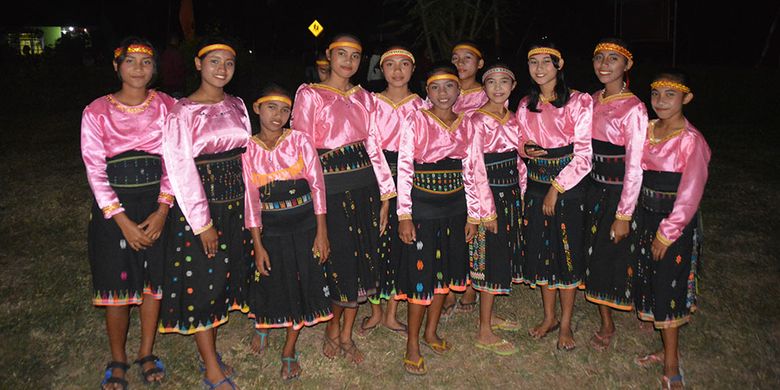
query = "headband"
{"x": 670, "y": 84}
{"x": 396, "y": 52}
{"x": 445, "y": 76}
{"x": 217, "y": 46}
{"x": 497, "y": 69}
{"x": 134, "y": 48}
{"x": 544, "y": 50}
{"x": 275, "y": 98}
{"x": 322, "y": 62}
{"x": 468, "y": 47}
{"x": 353, "y": 45}
{"x": 613, "y": 47}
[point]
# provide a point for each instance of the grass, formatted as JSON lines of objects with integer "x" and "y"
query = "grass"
{"x": 52, "y": 337}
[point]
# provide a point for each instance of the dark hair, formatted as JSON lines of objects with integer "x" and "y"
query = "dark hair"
{"x": 441, "y": 67}
{"x": 321, "y": 56}
{"x": 562, "y": 90}
{"x": 498, "y": 65}
{"x": 133, "y": 40}
{"x": 345, "y": 35}
{"x": 470, "y": 42}
{"x": 676, "y": 75}
{"x": 274, "y": 89}
{"x": 213, "y": 40}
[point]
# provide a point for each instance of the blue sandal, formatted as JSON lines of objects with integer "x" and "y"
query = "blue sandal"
{"x": 213, "y": 386}
{"x": 109, "y": 378}
{"x": 666, "y": 382}
{"x": 288, "y": 361}
{"x": 263, "y": 343}
{"x": 222, "y": 365}
{"x": 158, "y": 368}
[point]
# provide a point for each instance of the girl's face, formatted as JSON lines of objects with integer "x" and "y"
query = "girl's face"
{"x": 323, "y": 71}
{"x": 216, "y": 68}
{"x": 344, "y": 61}
{"x": 273, "y": 114}
{"x": 397, "y": 70}
{"x": 498, "y": 87}
{"x": 610, "y": 66}
{"x": 668, "y": 102}
{"x": 467, "y": 63}
{"x": 442, "y": 93}
{"x": 542, "y": 69}
{"x": 136, "y": 70}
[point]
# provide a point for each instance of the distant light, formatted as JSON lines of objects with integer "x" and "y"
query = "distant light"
{"x": 71, "y": 29}
{"x": 250, "y": 51}
{"x": 85, "y": 31}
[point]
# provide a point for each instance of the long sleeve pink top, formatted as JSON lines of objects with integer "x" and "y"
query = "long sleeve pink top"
{"x": 426, "y": 139}
{"x": 557, "y": 127}
{"x": 333, "y": 118}
{"x": 470, "y": 100}
{"x": 685, "y": 151}
{"x": 388, "y": 118}
{"x": 193, "y": 129}
{"x": 622, "y": 120}
{"x": 109, "y": 128}
{"x": 500, "y": 135}
{"x": 293, "y": 157}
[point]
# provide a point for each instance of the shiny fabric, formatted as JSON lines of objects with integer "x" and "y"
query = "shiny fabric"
{"x": 193, "y": 129}
{"x": 621, "y": 120}
{"x": 388, "y": 118}
{"x": 109, "y": 128}
{"x": 686, "y": 152}
{"x": 292, "y": 158}
{"x": 557, "y": 127}
{"x": 425, "y": 139}
{"x": 500, "y": 135}
{"x": 470, "y": 100}
{"x": 333, "y": 118}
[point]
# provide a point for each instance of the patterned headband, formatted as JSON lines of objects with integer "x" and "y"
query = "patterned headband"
{"x": 670, "y": 84}
{"x": 498, "y": 69}
{"x": 614, "y": 47}
{"x": 445, "y": 76}
{"x": 544, "y": 50}
{"x": 396, "y": 52}
{"x": 134, "y": 48}
{"x": 353, "y": 45}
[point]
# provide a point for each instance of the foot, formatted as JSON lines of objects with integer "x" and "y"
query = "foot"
{"x": 651, "y": 359}
{"x": 351, "y": 352}
{"x": 114, "y": 377}
{"x": 259, "y": 342}
{"x": 497, "y": 323}
{"x": 395, "y": 326}
{"x": 541, "y": 330}
{"x": 152, "y": 369}
{"x": 448, "y": 310}
{"x": 496, "y": 345}
{"x": 367, "y": 325}
{"x": 601, "y": 340}
{"x": 290, "y": 367}
{"x": 415, "y": 366}
{"x": 672, "y": 382}
{"x": 224, "y": 383}
{"x": 330, "y": 346}
{"x": 566, "y": 340}
{"x": 438, "y": 345}
{"x": 466, "y": 307}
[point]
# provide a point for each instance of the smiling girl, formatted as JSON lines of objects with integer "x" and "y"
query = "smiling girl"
{"x": 468, "y": 59}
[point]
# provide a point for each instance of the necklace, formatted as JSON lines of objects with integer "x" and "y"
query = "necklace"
{"x": 132, "y": 109}
{"x": 604, "y": 91}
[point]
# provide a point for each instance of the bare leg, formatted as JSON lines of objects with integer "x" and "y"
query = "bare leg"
{"x": 369, "y": 323}
{"x": 414, "y": 318}
{"x": 150, "y": 312}
{"x": 290, "y": 366}
{"x": 566, "y": 335}
{"x": 549, "y": 322}
{"x": 331, "y": 347}
{"x": 432, "y": 322}
{"x": 345, "y": 336}
{"x": 390, "y": 320}
{"x": 485, "y": 333}
{"x": 208, "y": 352}
{"x": 117, "y": 322}
{"x": 671, "y": 357}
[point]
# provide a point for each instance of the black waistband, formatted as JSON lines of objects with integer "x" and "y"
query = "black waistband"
{"x": 220, "y": 174}
{"x": 659, "y": 191}
{"x": 437, "y": 189}
{"x": 609, "y": 163}
{"x": 134, "y": 170}
{"x": 229, "y": 154}
{"x": 286, "y": 207}
{"x": 346, "y": 168}
{"x": 546, "y": 168}
{"x": 392, "y": 161}
{"x": 502, "y": 168}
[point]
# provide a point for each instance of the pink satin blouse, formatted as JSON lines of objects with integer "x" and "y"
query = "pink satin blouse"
{"x": 388, "y": 118}
{"x": 500, "y": 135}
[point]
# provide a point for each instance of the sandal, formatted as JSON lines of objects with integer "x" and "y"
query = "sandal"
{"x": 501, "y": 348}
{"x": 415, "y": 368}
{"x": 601, "y": 343}
{"x": 353, "y": 353}
{"x": 364, "y": 330}
{"x": 333, "y": 344}
{"x": 110, "y": 379}
{"x": 675, "y": 382}
{"x": 437, "y": 348}
{"x": 224, "y": 367}
{"x": 263, "y": 342}
{"x": 506, "y": 325}
{"x": 158, "y": 368}
{"x": 649, "y": 360}
{"x": 539, "y": 336}
{"x": 287, "y": 361}
{"x": 213, "y": 386}
{"x": 448, "y": 311}
{"x": 466, "y": 307}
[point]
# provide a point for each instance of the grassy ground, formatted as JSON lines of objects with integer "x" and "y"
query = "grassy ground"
{"x": 52, "y": 337}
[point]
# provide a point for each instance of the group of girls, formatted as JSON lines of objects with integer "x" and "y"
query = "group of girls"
{"x": 372, "y": 196}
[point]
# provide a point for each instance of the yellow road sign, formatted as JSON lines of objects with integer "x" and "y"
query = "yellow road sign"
{"x": 316, "y": 28}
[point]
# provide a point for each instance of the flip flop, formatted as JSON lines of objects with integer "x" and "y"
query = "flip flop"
{"x": 506, "y": 325}
{"x": 333, "y": 344}
{"x": 419, "y": 367}
{"x": 437, "y": 348}
{"x": 543, "y": 335}
{"x": 402, "y": 331}
{"x": 109, "y": 378}
{"x": 601, "y": 343}
{"x": 363, "y": 330}
{"x": 649, "y": 360}
{"x": 287, "y": 361}
{"x": 263, "y": 342}
{"x": 499, "y": 347}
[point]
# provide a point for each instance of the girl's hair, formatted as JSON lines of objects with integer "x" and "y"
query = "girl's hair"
{"x": 213, "y": 40}
{"x": 338, "y": 36}
{"x": 562, "y": 90}
{"x": 471, "y": 43}
{"x": 497, "y": 65}
{"x": 674, "y": 74}
{"x": 133, "y": 40}
{"x": 441, "y": 67}
{"x": 274, "y": 89}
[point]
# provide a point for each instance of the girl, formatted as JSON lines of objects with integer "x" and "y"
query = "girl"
{"x": 468, "y": 59}
{"x": 284, "y": 180}
{"x": 205, "y": 274}
{"x": 120, "y": 146}
{"x": 619, "y": 123}
{"x": 495, "y": 258}
{"x": 336, "y": 116}
{"x": 323, "y": 67}
{"x": 391, "y": 107}
{"x": 555, "y": 124}
{"x": 436, "y": 158}
{"x": 675, "y": 168}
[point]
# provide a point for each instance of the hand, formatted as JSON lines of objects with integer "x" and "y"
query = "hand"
{"x": 533, "y": 150}
{"x": 134, "y": 236}
{"x": 406, "y": 231}
{"x": 153, "y": 224}
{"x": 658, "y": 249}
{"x": 321, "y": 248}
{"x": 210, "y": 240}
{"x": 491, "y": 226}
{"x": 383, "y": 216}
{"x": 262, "y": 260}
{"x": 548, "y": 206}
{"x": 619, "y": 230}
{"x": 471, "y": 230}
